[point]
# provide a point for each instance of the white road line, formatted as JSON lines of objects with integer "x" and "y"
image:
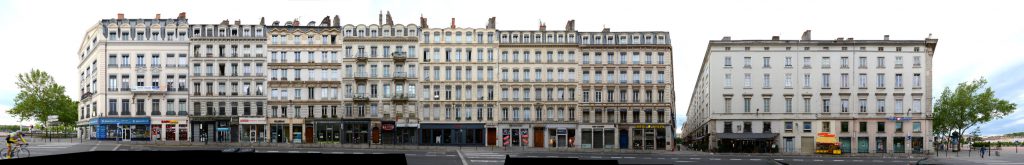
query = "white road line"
{"x": 694, "y": 158}
{"x": 451, "y": 155}
{"x": 531, "y": 156}
{"x": 488, "y": 161}
{"x": 735, "y": 159}
{"x": 596, "y": 157}
{"x": 755, "y": 159}
{"x": 629, "y": 157}
{"x": 273, "y": 151}
{"x": 337, "y": 152}
{"x": 42, "y": 147}
{"x": 377, "y": 153}
{"x": 715, "y": 159}
{"x": 573, "y": 157}
{"x": 461, "y": 158}
{"x": 357, "y": 153}
{"x": 313, "y": 152}
{"x": 683, "y": 161}
{"x": 118, "y": 146}
{"x": 616, "y": 157}
{"x": 858, "y": 160}
{"x": 293, "y": 151}
{"x": 94, "y": 146}
{"x": 779, "y": 159}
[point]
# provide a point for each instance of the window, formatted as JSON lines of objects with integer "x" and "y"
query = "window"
{"x": 807, "y": 105}
{"x": 789, "y": 80}
{"x": 917, "y": 61}
{"x": 898, "y": 107}
{"x": 899, "y": 126}
{"x": 916, "y": 127}
{"x": 746, "y": 80}
{"x": 863, "y": 127}
{"x": 825, "y": 80}
{"x": 863, "y": 62}
{"x": 881, "y": 62}
{"x": 746, "y": 105}
{"x": 826, "y": 126}
{"x": 767, "y": 62}
{"x": 881, "y": 105}
{"x": 788, "y": 126}
{"x": 807, "y": 80}
{"x": 767, "y": 104}
{"x": 728, "y": 127}
{"x": 862, "y": 83}
{"x": 899, "y": 61}
{"x": 807, "y": 127}
{"x": 899, "y": 80}
{"x": 789, "y": 62}
{"x": 844, "y": 80}
{"x": 881, "y": 127}
{"x": 728, "y": 61}
{"x": 825, "y": 62}
{"x": 807, "y": 62}
{"x": 825, "y": 105}
{"x": 789, "y": 105}
{"x": 767, "y": 81}
{"x": 917, "y": 106}
{"x": 846, "y": 105}
{"x": 881, "y": 80}
{"x": 863, "y": 105}
{"x": 728, "y": 105}
{"x": 746, "y": 62}
{"x": 728, "y": 80}
{"x": 917, "y": 80}
{"x": 844, "y": 127}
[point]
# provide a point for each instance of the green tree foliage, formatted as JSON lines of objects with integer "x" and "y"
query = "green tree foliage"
{"x": 970, "y": 104}
{"x": 40, "y": 97}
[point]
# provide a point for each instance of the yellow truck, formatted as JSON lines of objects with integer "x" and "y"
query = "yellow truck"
{"x": 826, "y": 143}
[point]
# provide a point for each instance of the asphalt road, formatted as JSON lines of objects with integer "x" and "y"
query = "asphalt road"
{"x": 492, "y": 157}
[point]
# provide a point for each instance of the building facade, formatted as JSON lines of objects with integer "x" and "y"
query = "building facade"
{"x": 142, "y": 63}
{"x": 357, "y": 83}
{"x": 228, "y": 62}
{"x": 873, "y": 95}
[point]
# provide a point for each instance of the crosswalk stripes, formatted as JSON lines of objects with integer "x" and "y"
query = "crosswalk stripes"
{"x": 483, "y": 157}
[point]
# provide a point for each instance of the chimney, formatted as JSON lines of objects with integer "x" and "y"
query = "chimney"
{"x": 491, "y": 23}
{"x": 886, "y": 37}
{"x": 849, "y": 39}
{"x": 157, "y": 16}
{"x": 606, "y": 30}
{"x": 423, "y": 22}
{"x": 238, "y": 22}
{"x": 726, "y": 38}
{"x": 453, "y": 23}
{"x": 839, "y": 39}
{"x": 181, "y": 15}
{"x": 543, "y": 27}
{"x": 120, "y": 16}
{"x": 570, "y": 26}
{"x": 806, "y": 36}
{"x": 775, "y": 38}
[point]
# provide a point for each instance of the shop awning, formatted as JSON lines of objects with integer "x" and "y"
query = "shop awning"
{"x": 747, "y": 136}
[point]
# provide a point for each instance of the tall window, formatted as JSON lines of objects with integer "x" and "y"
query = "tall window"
{"x": 728, "y": 61}
{"x": 789, "y": 80}
{"x": 746, "y": 105}
{"x": 825, "y": 104}
{"x": 789, "y": 105}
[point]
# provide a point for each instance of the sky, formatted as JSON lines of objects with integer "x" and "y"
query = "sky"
{"x": 976, "y": 39}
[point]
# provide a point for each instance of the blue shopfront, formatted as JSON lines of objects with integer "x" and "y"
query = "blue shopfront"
{"x": 125, "y": 129}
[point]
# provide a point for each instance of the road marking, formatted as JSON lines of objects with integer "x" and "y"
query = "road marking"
{"x": 616, "y": 157}
{"x": 799, "y": 160}
{"x": 573, "y": 157}
{"x": 461, "y": 158}
{"x": 858, "y": 160}
{"x": 779, "y": 159}
{"x": 755, "y": 159}
{"x": 357, "y": 153}
{"x": 313, "y": 152}
{"x": 552, "y": 156}
{"x": 694, "y": 158}
{"x": 118, "y": 146}
{"x": 42, "y": 147}
{"x": 629, "y": 157}
{"x": 273, "y": 151}
{"x": 293, "y": 151}
{"x": 896, "y": 161}
{"x": 715, "y": 159}
{"x": 595, "y": 157}
{"x": 735, "y": 159}
{"x": 451, "y": 155}
{"x": 532, "y": 156}
{"x": 817, "y": 160}
{"x": 837, "y": 160}
{"x": 487, "y": 161}
{"x": 95, "y": 145}
{"x": 683, "y": 161}
{"x": 337, "y": 152}
{"x": 377, "y": 153}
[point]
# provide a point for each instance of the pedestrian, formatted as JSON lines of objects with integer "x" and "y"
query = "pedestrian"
{"x": 982, "y": 151}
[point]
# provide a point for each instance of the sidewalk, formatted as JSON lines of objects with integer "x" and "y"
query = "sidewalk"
{"x": 394, "y": 147}
{"x": 1006, "y": 155}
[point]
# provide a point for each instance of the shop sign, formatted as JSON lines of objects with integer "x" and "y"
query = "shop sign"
{"x": 650, "y": 126}
{"x": 279, "y": 121}
{"x": 169, "y": 121}
{"x": 561, "y": 131}
{"x": 388, "y": 126}
{"x": 125, "y": 121}
{"x": 252, "y": 120}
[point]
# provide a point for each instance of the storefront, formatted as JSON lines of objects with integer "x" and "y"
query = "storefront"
{"x": 597, "y": 136}
{"x": 561, "y": 135}
{"x": 355, "y": 131}
{"x": 122, "y": 129}
{"x": 327, "y": 131}
{"x": 649, "y": 137}
{"x": 252, "y": 129}
{"x": 514, "y": 135}
{"x": 213, "y": 129}
{"x": 169, "y": 129}
{"x": 741, "y": 142}
{"x": 406, "y": 131}
{"x": 452, "y": 134}
{"x": 388, "y": 132}
{"x": 286, "y": 130}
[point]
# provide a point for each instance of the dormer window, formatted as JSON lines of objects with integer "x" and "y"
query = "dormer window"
{"x": 234, "y": 32}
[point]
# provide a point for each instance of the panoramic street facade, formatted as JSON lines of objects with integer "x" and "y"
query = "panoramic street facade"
{"x": 329, "y": 83}
{"x": 813, "y": 96}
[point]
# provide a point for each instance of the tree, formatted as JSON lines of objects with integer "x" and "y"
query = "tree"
{"x": 967, "y": 106}
{"x": 40, "y": 97}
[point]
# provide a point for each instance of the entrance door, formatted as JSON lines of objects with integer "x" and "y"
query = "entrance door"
{"x": 862, "y": 145}
{"x": 623, "y": 139}
{"x": 126, "y": 134}
{"x": 789, "y": 145}
{"x": 807, "y": 144}
{"x": 845, "y": 145}
{"x": 252, "y": 136}
{"x": 538, "y": 137}
{"x": 492, "y": 136}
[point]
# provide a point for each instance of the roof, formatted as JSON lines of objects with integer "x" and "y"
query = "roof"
{"x": 747, "y": 136}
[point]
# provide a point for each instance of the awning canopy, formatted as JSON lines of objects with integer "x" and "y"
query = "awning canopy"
{"x": 747, "y": 136}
